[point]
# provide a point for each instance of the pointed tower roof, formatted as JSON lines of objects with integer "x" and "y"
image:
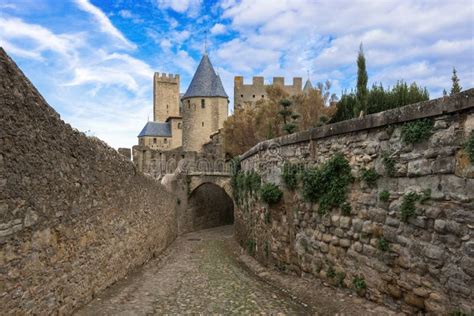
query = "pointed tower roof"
{"x": 307, "y": 86}
{"x": 205, "y": 83}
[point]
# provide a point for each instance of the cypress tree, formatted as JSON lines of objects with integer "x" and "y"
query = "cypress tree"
{"x": 456, "y": 87}
{"x": 362, "y": 78}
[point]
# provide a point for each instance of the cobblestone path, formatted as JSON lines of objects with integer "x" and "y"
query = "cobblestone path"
{"x": 199, "y": 274}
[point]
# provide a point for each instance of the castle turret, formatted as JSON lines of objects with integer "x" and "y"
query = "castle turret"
{"x": 165, "y": 96}
{"x": 205, "y": 106}
{"x": 307, "y": 87}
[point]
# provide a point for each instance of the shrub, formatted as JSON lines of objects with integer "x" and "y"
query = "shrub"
{"x": 382, "y": 244}
{"x": 346, "y": 209}
{"x": 359, "y": 283}
{"x": 469, "y": 146}
{"x": 407, "y": 209}
{"x": 330, "y": 273}
{"x": 290, "y": 175}
{"x": 370, "y": 176}
{"x": 417, "y": 131}
{"x": 384, "y": 196}
{"x": 270, "y": 193}
{"x": 328, "y": 183}
{"x": 340, "y": 276}
{"x": 389, "y": 164}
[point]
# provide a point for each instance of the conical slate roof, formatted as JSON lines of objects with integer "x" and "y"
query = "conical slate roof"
{"x": 205, "y": 83}
{"x": 307, "y": 86}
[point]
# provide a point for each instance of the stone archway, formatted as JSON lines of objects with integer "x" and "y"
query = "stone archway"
{"x": 210, "y": 206}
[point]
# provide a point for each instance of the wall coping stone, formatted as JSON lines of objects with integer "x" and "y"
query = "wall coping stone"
{"x": 425, "y": 109}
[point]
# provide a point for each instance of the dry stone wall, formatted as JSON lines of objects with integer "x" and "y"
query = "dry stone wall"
{"x": 424, "y": 264}
{"x": 75, "y": 215}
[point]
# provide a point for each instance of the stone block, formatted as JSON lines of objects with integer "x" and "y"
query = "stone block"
{"x": 419, "y": 167}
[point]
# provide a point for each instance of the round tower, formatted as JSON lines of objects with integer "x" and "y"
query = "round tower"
{"x": 205, "y": 106}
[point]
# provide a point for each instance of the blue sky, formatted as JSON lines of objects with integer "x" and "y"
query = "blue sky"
{"x": 93, "y": 60}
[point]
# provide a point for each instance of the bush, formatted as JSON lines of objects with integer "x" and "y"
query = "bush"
{"x": 417, "y": 131}
{"x": 290, "y": 175}
{"x": 382, "y": 244}
{"x": 328, "y": 184}
{"x": 346, "y": 209}
{"x": 389, "y": 164}
{"x": 469, "y": 146}
{"x": 270, "y": 193}
{"x": 407, "y": 209}
{"x": 359, "y": 283}
{"x": 384, "y": 196}
{"x": 370, "y": 176}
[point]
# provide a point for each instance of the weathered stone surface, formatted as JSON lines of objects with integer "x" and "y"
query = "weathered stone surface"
{"x": 78, "y": 215}
{"x": 422, "y": 251}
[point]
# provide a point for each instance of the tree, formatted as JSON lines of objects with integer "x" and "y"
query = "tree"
{"x": 239, "y": 132}
{"x": 362, "y": 78}
{"x": 289, "y": 117}
{"x": 456, "y": 88}
{"x": 313, "y": 109}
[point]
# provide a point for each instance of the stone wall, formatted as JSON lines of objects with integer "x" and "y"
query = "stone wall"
{"x": 75, "y": 215}
{"x": 249, "y": 94}
{"x": 425, "y": 264}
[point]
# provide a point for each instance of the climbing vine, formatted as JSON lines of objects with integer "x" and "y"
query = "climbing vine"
{"x": 417, "y": 131}
{"x": 389, "y": 164}
{"x": 328, "y": 184}
{"x": 290, "y": 175}
{"x": 370, "y": 177}
{"x": 244, "y": 184}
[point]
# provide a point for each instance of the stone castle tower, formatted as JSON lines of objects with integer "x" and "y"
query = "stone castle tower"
{"x": 189, "y": 122}
{"x": 205, "y": 106}
{"x": 165, "y": 97}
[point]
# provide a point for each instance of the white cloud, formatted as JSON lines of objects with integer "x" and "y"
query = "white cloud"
{"x": 190, "y": 7}
{"x": 218, "y": 28}
{"x": 127, "y": 14}
{"x": 104, "y": 22}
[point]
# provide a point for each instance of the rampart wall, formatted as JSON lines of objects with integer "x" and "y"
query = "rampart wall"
{"x": 75, "y": 215}
{"x": 421, "y": 262}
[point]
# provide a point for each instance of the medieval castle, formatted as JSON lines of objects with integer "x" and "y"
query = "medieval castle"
{"x": 186, "y": 122}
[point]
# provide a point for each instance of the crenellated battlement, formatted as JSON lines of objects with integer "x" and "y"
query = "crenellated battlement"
{"x": 259, "y": 81}
{"x": 164, "y": 77}
{"x": 249, "y": 94}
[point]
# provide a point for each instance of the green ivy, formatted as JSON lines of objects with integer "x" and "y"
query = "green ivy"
{"x": 271, "y": 193}
{"x": 328, "y": 184}
{"x": 408, "y": 209}
{"x": 383, "y": 245}
{"x": 346, "y": 209}
{"x": 389, "y": 164}
{"x": 469, "y": 146}
{"x": 417, "y": 131}
{"x": 370, "y": 177}
{"x": 290, "y": 175}
{"x": 384, "y": 196}
{"x": 244, "y": 184}
{"x": 359, "y": 283}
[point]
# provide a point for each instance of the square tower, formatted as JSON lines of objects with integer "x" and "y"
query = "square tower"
{"x": 165, "y": 96}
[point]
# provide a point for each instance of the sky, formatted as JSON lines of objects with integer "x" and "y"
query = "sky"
{"x": 93, "y": 60}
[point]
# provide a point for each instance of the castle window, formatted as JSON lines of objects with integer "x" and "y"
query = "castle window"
{"x": 241, "y": 95}
{"x": 154, "y": 140}
{"x": 189, "y": 104}
{"x": 203, "y": 103}
{"x": 179, "y": 125}
{"x": 165, "y": 140}
{"x": 202, "y": 124}
{"x": 263, "y": 96}
{"x": 253, "y": 96}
